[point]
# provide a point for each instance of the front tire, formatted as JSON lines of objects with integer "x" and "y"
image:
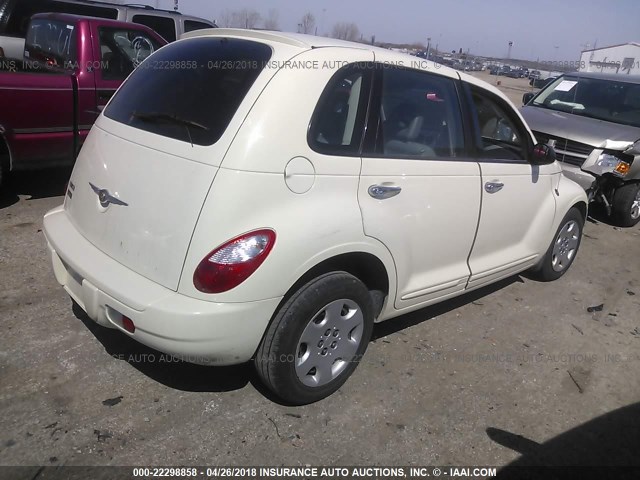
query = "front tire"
{"x": 563, "y": 250}
{"x": 626, "y": 205}
{"x": 316, "y": 339}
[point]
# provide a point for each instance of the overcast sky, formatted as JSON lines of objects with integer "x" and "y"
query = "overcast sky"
{"x": 485, "y": 27}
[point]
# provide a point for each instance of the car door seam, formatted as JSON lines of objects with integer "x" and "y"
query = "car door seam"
{"x": 475, "y": 236}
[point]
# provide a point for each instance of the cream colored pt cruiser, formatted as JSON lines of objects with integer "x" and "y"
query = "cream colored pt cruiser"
{"x": 268, "y": 197}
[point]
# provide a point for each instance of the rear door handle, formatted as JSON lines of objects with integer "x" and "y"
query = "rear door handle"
{"x": 493, "y": 187}
{"x": 383, "y": 192}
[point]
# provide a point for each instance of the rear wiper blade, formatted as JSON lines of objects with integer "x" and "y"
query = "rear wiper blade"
{"x": 167, "y": 117}
{"x": 170, "y": 118}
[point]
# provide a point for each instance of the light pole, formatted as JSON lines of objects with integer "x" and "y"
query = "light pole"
{"x": 428, "y": 47}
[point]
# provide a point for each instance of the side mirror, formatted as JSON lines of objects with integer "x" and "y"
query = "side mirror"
{"x": 543, "y": 154}
{"x": 526, "y": 98}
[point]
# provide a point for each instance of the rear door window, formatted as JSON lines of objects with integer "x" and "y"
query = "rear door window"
{"x": 191, "y": 25}
{"x": 420, "y": 116}
{"x": 164, "y": 26}
{"x": 190, "y": 90}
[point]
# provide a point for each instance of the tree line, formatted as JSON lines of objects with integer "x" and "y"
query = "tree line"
{"x": 250, "y": 18}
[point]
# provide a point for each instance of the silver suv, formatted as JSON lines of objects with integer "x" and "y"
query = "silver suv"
{"x": 594, "y": 120}
{"x": 15, "y": 15}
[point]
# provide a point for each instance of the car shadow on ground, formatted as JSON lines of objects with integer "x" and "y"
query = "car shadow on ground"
{"x": 170, "y": 372}
{"x": 397, "y": 324}
{"x": 196, "y": 378}
{"x": 611, "y": 440}
{"x": 46, "y": 183}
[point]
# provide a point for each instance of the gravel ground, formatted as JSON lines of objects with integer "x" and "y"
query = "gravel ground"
{"x": 513, "y": 88}
{"x": 520, "y": 370}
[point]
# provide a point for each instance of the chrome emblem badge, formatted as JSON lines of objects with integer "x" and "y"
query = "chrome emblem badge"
{"x": 105, "y": 198}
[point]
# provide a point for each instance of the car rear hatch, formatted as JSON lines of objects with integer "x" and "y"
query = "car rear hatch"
{"x": 146, "y": 168}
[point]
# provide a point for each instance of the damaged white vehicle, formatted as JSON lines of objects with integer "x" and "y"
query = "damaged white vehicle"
{"x": 594, "y": 120}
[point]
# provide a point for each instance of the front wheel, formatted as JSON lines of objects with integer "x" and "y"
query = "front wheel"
{"x": 626, "y": 205}
{"x": 316, "y": 339}
{"x": 563, "y": 250}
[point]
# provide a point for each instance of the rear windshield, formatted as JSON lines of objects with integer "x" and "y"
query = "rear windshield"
{"x": 19, "y": 19}
{"x": 191, "y": 89}
{"x": 51, "y": 43}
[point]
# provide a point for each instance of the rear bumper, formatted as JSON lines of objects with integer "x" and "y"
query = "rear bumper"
{"x": 193, "y": 330}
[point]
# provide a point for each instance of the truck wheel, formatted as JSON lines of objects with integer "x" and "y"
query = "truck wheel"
{"x": 563, "y": 250}
{"x": 626, "y": 205}
{"x": 316, "y": 339}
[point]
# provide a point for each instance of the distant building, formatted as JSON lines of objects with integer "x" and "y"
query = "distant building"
{"x": 621, "y": 59}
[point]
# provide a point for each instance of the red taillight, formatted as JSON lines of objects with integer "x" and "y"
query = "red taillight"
{"x": 232, "y": 263}
{"x": 128, "y": 325}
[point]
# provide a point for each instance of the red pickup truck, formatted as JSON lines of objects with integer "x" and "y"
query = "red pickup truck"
{"x": 71, "y": 67}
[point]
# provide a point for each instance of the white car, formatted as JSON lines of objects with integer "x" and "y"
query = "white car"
{"x": 267, "y": 196}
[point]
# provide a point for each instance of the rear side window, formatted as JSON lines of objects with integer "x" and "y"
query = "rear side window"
{"x": 190, "y": 90}
{"x": 164, "y": 26}
{"x": 338, "y": 121}
{"x": 24, "y": 10}
{"x": 191, "y": 25}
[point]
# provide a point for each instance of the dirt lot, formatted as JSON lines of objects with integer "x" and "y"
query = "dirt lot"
{"x": 484, "y": 379}
{"x": 513, "y": 88}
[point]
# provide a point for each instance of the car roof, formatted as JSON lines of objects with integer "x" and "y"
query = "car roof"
{"x": 616, "y": 77}
{"x": 306, "y": 42}
{"x": 69, "y": 17}
{"x": 300, "y": 40}
{"x": 122, "y": 6}
{"x": 138, "y": 9}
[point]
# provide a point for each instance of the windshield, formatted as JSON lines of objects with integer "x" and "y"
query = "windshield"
{"x": 608, "y": 100}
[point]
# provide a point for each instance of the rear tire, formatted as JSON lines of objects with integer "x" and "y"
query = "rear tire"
{"x": 626, "y": 205}
{"x": 563, "y": 250}
{"x": 316, "y": 339}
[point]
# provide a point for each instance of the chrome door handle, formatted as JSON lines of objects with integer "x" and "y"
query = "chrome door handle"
{"x": 493, "y": 187}
{"x": 382, "y": 192}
